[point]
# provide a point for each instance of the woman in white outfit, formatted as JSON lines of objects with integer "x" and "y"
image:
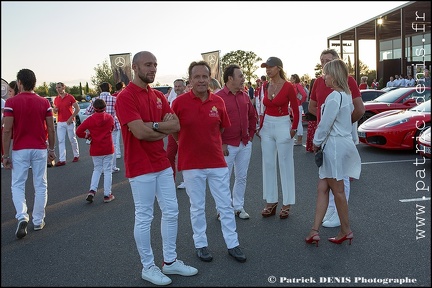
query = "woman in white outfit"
{"x": 341, "y": 157}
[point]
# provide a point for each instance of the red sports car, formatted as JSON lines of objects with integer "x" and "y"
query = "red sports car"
{"x": 401, "y": 98}
{"x": 424, "y": 143}
{"x": 396, "y": 129}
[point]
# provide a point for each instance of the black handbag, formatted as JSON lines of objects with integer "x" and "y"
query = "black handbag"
{"x": 319, "y": 158}
{"x": 319, "y": 155}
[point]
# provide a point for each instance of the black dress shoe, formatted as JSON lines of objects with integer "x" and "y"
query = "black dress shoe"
{"x": 204, "y": 254}
{"x": 237, "y": 253}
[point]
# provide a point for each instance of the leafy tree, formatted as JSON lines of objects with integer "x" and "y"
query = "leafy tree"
{"x": 42, "y": 90}
{"x": 52, "y": 91}
{"x": 104, "y": 73}
{"x": 245, "y": 59}
{"x": 81, "y": 90}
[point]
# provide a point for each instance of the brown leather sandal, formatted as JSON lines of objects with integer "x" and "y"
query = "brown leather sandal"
{"x": 284, "y": 213}
{"x": 269, "y": 210}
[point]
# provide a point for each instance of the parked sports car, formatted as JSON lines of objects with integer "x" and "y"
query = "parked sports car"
{"x": 401, "y": 98}
{"x": 396, "y": 129}
{"x": 81, "y": 116}
{"x": 424, "y": 143}
{"x": 371, "y": 94}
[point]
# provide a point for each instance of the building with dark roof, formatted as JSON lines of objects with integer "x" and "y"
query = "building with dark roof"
{"x": 402, "y": 40}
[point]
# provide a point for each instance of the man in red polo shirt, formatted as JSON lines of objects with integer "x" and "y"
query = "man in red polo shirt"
{"x": 145, "y": 119}
{"x": 66, "y": 108}
{"x": 30, "y": 118}
{"x": 203, "y": 117}
{"x": 237, "y": 139}
{"x": 317, "y": 97}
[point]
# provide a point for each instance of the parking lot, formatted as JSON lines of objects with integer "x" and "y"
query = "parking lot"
{"x": 93, "y": 245}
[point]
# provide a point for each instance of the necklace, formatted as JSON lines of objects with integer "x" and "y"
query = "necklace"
{"x": 274, "y": 87}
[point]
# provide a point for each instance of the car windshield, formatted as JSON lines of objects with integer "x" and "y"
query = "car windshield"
{"x": 392, "y": 96}
{"x": 83, "y": 105}
{"x": 423, "y": 107}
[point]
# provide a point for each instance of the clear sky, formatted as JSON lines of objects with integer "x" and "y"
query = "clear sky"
{"x": 65, "y": 41}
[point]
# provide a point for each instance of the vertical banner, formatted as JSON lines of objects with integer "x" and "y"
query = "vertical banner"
{"x": 121, "y": 67}
{"x": 212, "y": 58}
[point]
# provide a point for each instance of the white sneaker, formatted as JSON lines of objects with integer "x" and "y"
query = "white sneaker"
{"x": 155, "y": 276}
{"x": 329, "y": 213}
{"x": 333, "y": 221}
{"x": 115, "y": 170}
{"x": 179, "y": 268}
{"x": 242, "y": 214}
{"x": 118, "y": 156}
{"x": 181, "y": 186}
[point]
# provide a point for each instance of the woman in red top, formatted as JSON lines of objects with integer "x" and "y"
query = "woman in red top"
{"x": 277, "y": 138}
{"x": 363, "y": 83}
{"x": 301, "y": 97}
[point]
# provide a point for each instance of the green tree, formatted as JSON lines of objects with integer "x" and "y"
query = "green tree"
{"x": 104, "y": 73}
{"x": 42, "y": 90}
{"x": 52, "y": 91}
{"x": 245, "y": 59}
{"x": 81, "y": 90}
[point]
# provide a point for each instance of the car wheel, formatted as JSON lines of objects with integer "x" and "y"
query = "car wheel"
{"x": 365, "y": 116}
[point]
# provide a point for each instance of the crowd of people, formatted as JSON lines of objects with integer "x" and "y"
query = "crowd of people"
{"x": 220, "y": 121}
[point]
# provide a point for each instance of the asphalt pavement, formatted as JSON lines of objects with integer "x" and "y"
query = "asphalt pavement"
{"x": 86, "y": 244}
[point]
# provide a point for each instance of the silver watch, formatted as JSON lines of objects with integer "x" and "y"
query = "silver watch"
{"x": 155, "y": 126}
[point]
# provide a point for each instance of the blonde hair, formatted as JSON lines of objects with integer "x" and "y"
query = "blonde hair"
{"x": 214, "y": 84}
{"x": 338, "y": 70}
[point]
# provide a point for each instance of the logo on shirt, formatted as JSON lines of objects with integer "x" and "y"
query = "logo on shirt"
{"x": 214, "y": 112}
{"x": 158, "y": 103}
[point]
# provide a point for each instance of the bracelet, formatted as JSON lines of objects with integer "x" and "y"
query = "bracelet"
{"x": 51, "y": 150}
{"x": 5, "y": 157}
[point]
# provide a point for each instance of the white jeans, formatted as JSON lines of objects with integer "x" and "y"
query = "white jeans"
{"x": 277, "y": 146}
{"x": 102, "y": 164}
{"x": 346, "y": 190}
{"x": 238, "y": 159}
{"x": 300, "y": 124}
{"x": 62, "y": 129}
{"x": 218, "y": 180}
{"x": 115, "y": 136}
{"x": 116, "y": 141}
{"x": 21, "y": 161}
{"x": 144, "y": 190}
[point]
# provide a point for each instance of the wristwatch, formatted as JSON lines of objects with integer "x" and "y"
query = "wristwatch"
{"x": 155, "y": 126}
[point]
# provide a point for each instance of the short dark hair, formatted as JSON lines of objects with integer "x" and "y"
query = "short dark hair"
{"x": 199, "y": 63}
{"x": 105, "y": 87}
{"x": 120, "y": 85}
{"x": 229, "y": 71}
{"x": 27, "y": 78}
{"x": 99, "y": 105}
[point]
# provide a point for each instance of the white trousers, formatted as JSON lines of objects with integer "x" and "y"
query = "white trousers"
{"x": 218, "y": 181}
{"x": 116, "y": 141}
{"x": 21, "y": 161}
{"x": 115, "y": 136}
{"x": 347, "y": 187}
{"x": 238, "y": 160}
{"x": 144, "y": 190}
{"x": 102, "y": 164}
{"x": 277, "y": 146}
{"x": 62, "y": 129}
{"x": 300, "y": 124}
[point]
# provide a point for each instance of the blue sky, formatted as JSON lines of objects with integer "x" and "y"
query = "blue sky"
{"x": 65, "y": 41}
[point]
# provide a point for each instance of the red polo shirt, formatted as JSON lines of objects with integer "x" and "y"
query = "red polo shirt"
{"x": 64, "y": 106}
{"x": 29, "y": 126}
{"x": 136, "y": 103}
{"x": 242, "y": 116}
{"x": 199, "y": 139}
{"x": 320, "y": 92}
{"x": 100, "y": 126}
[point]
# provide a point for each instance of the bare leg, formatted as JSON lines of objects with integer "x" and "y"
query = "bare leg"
{"x": 337, "y": 188}
{"x": 321, "y": 205}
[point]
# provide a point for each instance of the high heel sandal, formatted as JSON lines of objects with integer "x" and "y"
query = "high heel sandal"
{"x": 348, "y": 236}
{"x": 284, "y": 213}
{"x": 269, "y": 210}
{"x": 314, "y": 238}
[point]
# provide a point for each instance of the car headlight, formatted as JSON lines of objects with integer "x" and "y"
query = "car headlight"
{"x": 397, "y": 122}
